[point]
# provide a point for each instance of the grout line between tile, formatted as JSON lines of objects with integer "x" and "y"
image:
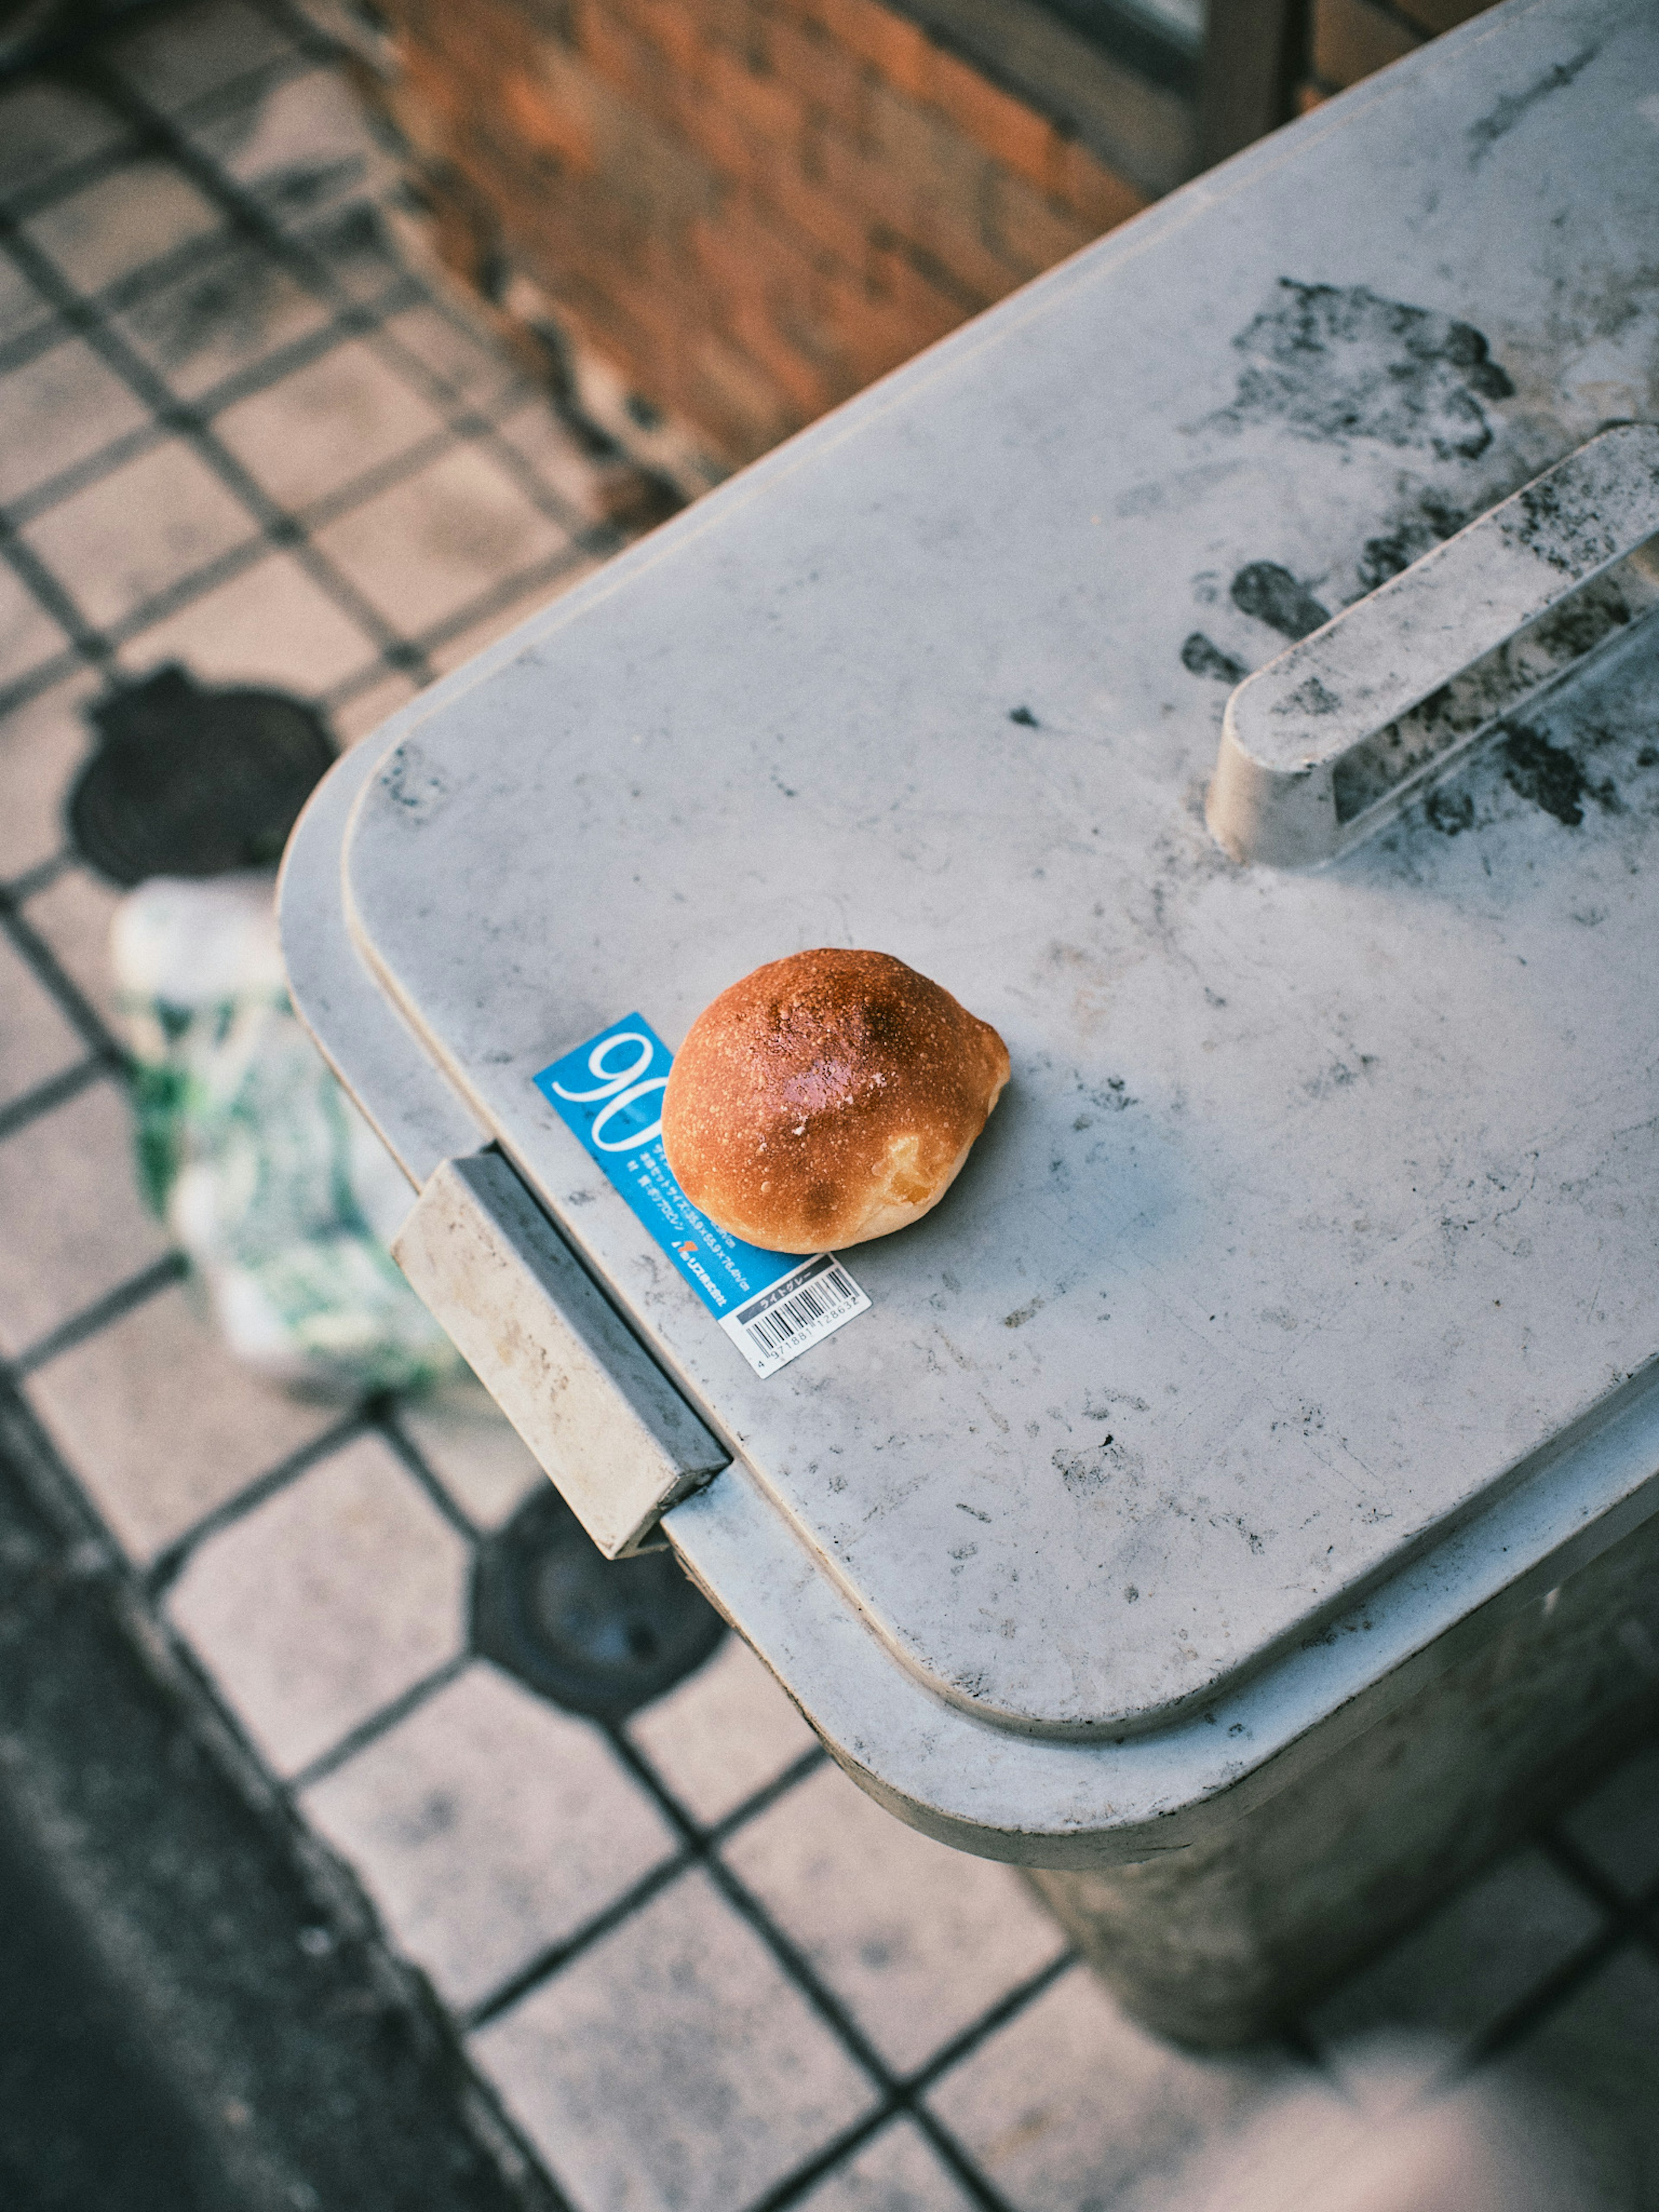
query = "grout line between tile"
{"x": 271, "y": 520}
{"x": 378, "y": 1724}
{"x": 385, "y": 1422}
{"x": 44, "y": 674}
{"x": 1583, "y": 1872}
{"x": 599, "y": 539}
{"x": 160, "y": 1275}
{"x": 221, "y": 99}
{"x": 358, "y": 320}
{"x": 808, "y": 1984}
{"x": 302, "y": 352}
{"x": 546, "y": 1964}
{"x": 1626, "y": 1923}
{"x": 244, "y": 208}
{"x": 1548, "y": 1996}
{"x": 361, "y": 680}
{"x": 31, "y": 200}
{"x": 36, "y": 879}
{"x": 235, "y": 560}
{"x": 40, "y": 338}
{"x": 1632, "y": 1913}
{"x": 383, "y": 476}
{"x": 1011, "y": 2002}
{"x": 81, "y": 474}
{"x": 56, "y": 1091}
{"x": 170, "y": 1562}
{"x": 32, "y": 571}
{"x": 125, "y": 291}
{"x": 795, "y": 2186}
{"x": 765, "y": 1797}
{"x": 49, "y": 971}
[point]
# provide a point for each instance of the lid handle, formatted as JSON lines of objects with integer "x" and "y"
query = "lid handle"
{"x": 1326, "y": 742}
{"x": 619, "y": 1442}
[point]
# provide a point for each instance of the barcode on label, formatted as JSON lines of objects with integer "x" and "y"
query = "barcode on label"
{"x": 801, "y": 1310}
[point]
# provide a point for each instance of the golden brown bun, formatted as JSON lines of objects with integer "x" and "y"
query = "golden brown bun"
{"x": 826, "y": 1099}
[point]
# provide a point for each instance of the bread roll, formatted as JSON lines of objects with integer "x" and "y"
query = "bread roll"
{"x": 826, "y": 1099}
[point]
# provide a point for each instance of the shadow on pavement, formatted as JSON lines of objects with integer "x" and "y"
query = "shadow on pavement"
{"x": 192, "y": 2015}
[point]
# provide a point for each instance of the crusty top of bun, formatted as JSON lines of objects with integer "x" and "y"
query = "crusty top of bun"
{"x": 826, "y": 1099}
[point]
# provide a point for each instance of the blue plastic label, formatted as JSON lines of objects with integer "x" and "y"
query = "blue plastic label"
{"x": 771, "y": 1304}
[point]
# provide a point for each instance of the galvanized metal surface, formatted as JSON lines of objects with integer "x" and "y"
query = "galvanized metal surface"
{"x": 1312, "y": 756}
{"x": 1073, "y": 1803}
{"x": 559, "y": 1362}
{"x": 1218, "y": 1944}
{"x": 1233, "y": 1373}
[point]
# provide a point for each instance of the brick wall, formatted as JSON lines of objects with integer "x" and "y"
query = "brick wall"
{"x": 752, "y": 207}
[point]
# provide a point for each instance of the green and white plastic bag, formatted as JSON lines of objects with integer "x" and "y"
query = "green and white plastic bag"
{"x": 273, "y": 1186}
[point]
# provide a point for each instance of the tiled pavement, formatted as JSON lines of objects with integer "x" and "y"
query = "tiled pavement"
{"x": 697, "y": 1967}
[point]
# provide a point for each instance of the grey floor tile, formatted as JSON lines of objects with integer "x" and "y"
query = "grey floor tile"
{"x": 1071, "y": 2104}
{"x": 122, "y": 223}
{"x": 188, "y": 54}
{"x": 139, "y": 531}
{"x": 474, "y": 1450}
{"x": 476, "y": 374}
{"x": 36, "y": 1041}
{"x": 42, "y": 745}
{"x": 220, "y": 318}
{"x": 74, "y": 406}
{"x": 326, "y": 1603}
{"x": 916, "y": 1940}
{"x": 672, "y": 2068}
{"x": 28, "y": 635}
{"x": 363, "y": 714}
{"x": 427, "y": 548}
{"x": 72, "y": 1227}
{"x": 46, "y": 129}
{"x": 488, "y": 1825}
{"x": 74, "y": 914}
{"x": 161, "y": 1424}
{"x": 21, "y": 307}
{"x": 326, "y": 425}
{"x": 1617, "y": 1827}
{"x": 723, "y": 1734}
{"x": 898, "y": 2171}
{"x": 1463, "y": 1968}
{"x": 271, "y": 624}
{"x": 1592, "y": 2068}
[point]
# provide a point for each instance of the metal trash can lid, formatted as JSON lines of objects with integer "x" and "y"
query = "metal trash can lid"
{"x": 1322, "y": 1211}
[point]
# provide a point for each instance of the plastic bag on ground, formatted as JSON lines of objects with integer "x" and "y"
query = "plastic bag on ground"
{"x": 272, "y": 1183}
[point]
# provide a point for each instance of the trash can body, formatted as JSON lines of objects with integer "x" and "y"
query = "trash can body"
{"x": 1238, "y": 1494}
{"x": 1218, "y": 1943}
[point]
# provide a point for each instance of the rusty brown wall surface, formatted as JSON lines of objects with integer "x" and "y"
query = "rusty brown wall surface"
{"x": 752, "y": 207}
